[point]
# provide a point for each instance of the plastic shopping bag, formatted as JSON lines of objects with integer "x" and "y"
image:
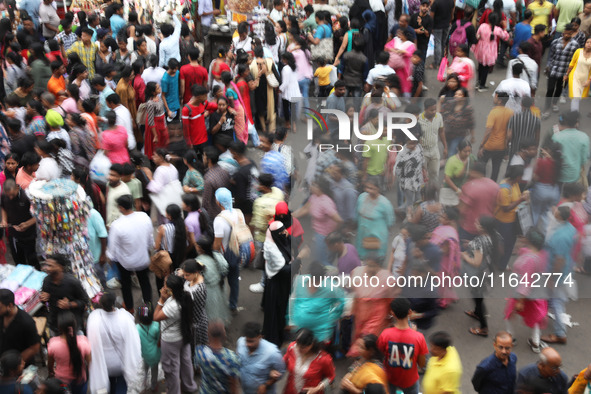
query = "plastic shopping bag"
{"x": 442, "y": 74}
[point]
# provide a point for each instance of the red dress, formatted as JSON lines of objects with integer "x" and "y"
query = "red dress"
{"x": 245, "y": 93}
{"x": 155, "y": 118}
{"x": 319, "y": 369}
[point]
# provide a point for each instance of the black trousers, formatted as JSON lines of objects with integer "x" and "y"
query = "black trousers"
{"x": 23, "y": 250}
{"x": 480, "y": 312}
{"x": 555, "y": 86}
{"x": 483, "y": 74}
{"x": 496, "y": 156}
{"x": 144, "y": 279}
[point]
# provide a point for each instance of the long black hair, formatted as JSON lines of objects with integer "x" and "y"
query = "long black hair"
{"x": 80, "y": 175}
{"x": 179, "y": 247}
{"x": 66, "y": 324}
{"x": 288, "y": 57}
{"x": 176, "y": 284}
{"x": 192, "y": 202}
{"x": 205, "y": 242}
{"x": 488, "y": 224}
{"x": 270, "y": 36}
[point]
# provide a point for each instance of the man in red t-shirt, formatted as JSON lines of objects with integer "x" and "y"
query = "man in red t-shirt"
{"x": 404, "y": 349}
{"x": 193, "y": 116}
{"x": 192, "y": 74}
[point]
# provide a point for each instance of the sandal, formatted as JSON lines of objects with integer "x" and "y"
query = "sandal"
{"x": 553, "y": 339}
{"x": 478, "y": 331}
{"x": 472, "y": 315}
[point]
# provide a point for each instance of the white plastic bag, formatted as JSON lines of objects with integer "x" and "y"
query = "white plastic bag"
{"x": 99, "y": 167}
{"x": 333, "y": 75}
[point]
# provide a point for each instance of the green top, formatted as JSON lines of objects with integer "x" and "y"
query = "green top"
{"x": 575, "y": 153}
{"x": 378, "y": 156}
{"x": 454, "y": 169}
{"x": 135, "y": 186}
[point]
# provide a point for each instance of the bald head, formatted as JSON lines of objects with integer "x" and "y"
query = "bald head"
{"x": 550, "y": 362}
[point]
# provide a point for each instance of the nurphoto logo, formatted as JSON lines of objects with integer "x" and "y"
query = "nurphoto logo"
{"x": 394, "y": 121}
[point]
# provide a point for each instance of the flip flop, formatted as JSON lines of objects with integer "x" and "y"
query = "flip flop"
{"x": 472, "y": 315}
{"x": 478, "y": 331}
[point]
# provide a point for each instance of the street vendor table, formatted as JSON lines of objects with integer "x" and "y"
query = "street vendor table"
{"x": 213, "y": 41}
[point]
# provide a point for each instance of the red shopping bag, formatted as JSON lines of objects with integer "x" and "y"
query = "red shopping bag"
{"x": 442, "y": 74}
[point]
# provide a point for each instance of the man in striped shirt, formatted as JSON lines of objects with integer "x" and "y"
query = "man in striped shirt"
{"x": 431, "y": 123}
{"x": 523, "y": 126}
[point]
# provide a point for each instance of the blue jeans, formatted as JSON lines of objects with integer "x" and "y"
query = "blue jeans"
{"x": 414, "y": 389}
{"x": 233, "y": 277}
{"x": 305, "y": 89}
{"x": 118, "y": 385}
{"x": 543, "y": 197}
{"x": 452, "y": 146}
{"x": 320, "y": 250}
{"x": 79, "y": 388}
{"x": 556, "y": 305}
{"x": 440, "y": 41}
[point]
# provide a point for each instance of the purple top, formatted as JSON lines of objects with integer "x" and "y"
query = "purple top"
{"x": 192, "y": 223}
{"x": 349, "y": 261}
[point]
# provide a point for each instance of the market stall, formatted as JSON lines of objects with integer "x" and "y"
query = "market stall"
{"x": 62, "y": 207}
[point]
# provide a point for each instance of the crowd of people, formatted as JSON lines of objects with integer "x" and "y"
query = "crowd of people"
{"x": 107, "y": 91}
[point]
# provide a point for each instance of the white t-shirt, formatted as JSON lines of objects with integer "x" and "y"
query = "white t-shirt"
{"x": 130, "y": 239}
{"x": 276, "y": 15}
{"x": 516, "y": 88}
{"x": 48, "y": 14}
{"x": 48, "y": 170}
{"x": 528, "y": 171}
{"x": 170, "y": 329}
{"x": 221, "y": 227}
{"x": 153, "y": 74}
{"x": 124, "y": 119}
{"x": 380, "y": 70}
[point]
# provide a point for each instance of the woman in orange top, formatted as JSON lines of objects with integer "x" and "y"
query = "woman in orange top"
{"x": 368, "y": 370}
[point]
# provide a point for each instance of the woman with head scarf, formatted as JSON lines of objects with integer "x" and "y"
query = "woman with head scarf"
{"x": 223, "y": 226}
{"x": 277, "y": 254}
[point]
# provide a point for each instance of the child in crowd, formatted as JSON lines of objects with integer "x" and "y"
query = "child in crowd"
{"x": 134, "y": 185}
{"x": 418, "y": 74}
{"x": 276, "y": 13}
{"x": 170, "y": 90}
{"x": 323, "y": 74}
{"x": 149, "y": 331}
{"x": 398, "y": 256}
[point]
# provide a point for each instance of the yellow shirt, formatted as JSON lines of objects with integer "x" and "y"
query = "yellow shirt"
{"x": 443, "y": 375}
{"x": 507, "y": 196}
{"x": 369, "y": 373}
{"x": 541, "y": 13}
{"x": 497, "y": 120}
{"x": 323, "y": 74}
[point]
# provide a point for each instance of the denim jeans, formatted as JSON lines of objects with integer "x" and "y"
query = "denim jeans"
{"x": 321, "y": 250}
{"x": 440, "y": 40}
{"x": 410, "y": 197}
{"x": 414, "y": 389}
{"x": 543, "y": 198}
{"x": 79, "y": 388}
{"x": 233, "y": 277}
{"x": 118, "y": 385}
{"x": 305, "y": 89}
{"x": 556, "y": 305}
{"x": 452, "y": 146}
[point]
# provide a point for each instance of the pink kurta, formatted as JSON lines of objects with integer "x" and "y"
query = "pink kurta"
{"x": 371, "y": 306}
{"x": 403, "y": 73}
{"x": 450, "y": 261}
{"x": 464, "y": 67}
{"x": 535, "y": 310}
{"x": 486, "y": 50}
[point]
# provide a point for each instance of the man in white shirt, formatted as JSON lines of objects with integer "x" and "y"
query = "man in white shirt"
{"x": 530, "y": 67}
{"x": 49, "y": 18}
{"x": 243, "y": 41}
{"x": 115, "y": 189}
{"x": 169, "y": 46}
{"x": 154, "y": 73}
{"x": 381, "y": 70}
{"x": 515, "y": 87}
{"x": 123, "y": 118}
{"x": 131, "y": 237}
{"x": 206, "y": 12}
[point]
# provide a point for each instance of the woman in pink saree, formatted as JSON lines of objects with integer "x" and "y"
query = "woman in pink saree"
{"x": 446, "y": 237}
{"x": 401, "y": 49}
{"x": 371, "y": 304}
{"x": 531, "y": 262}
{"x": 240, "y": 119}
